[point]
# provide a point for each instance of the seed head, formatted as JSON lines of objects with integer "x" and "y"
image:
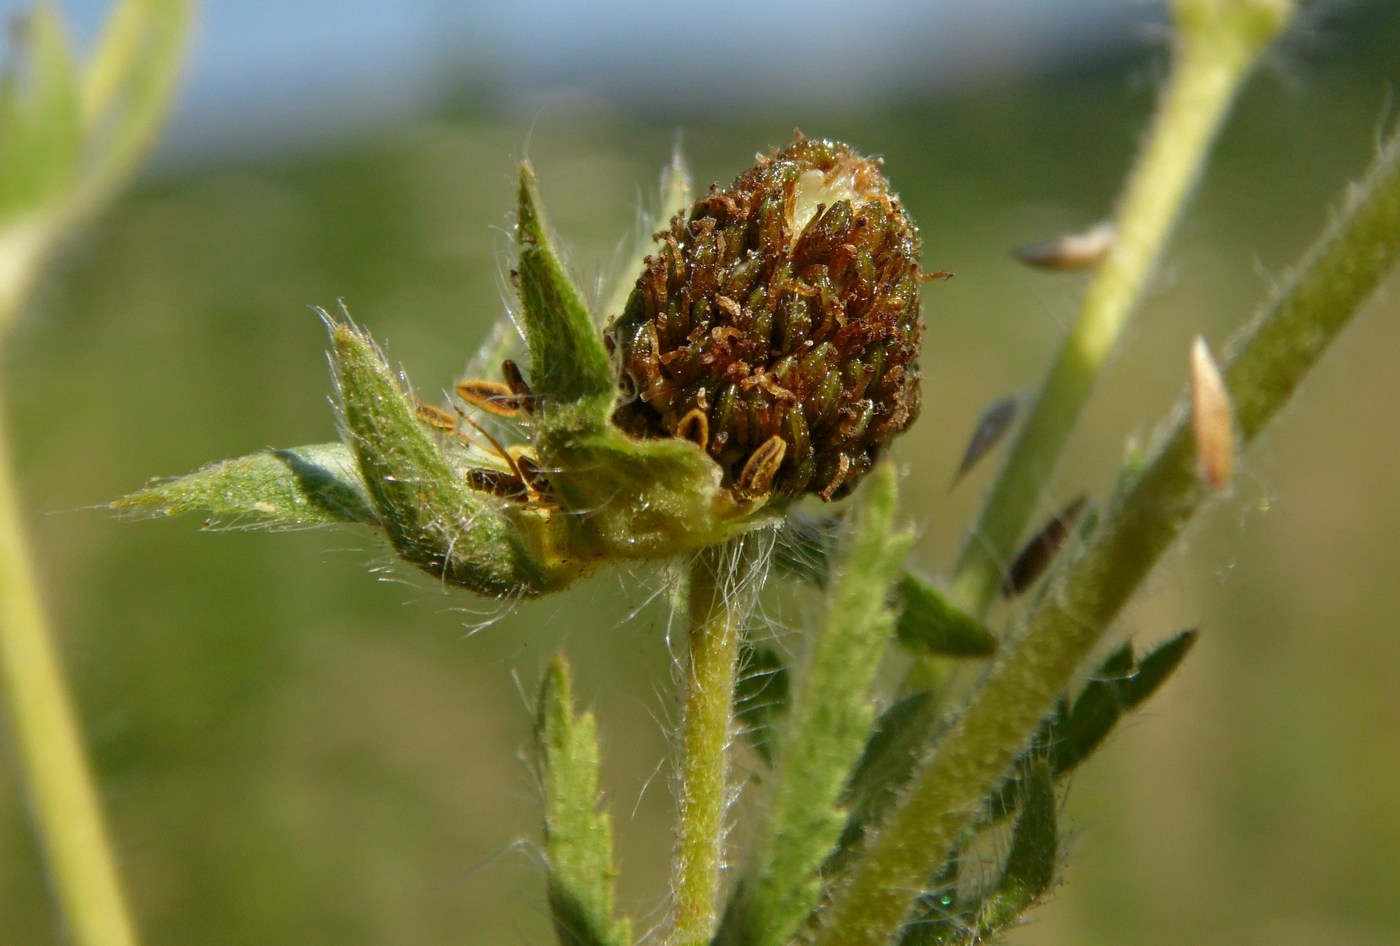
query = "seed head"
{"x": 777, "y": 325}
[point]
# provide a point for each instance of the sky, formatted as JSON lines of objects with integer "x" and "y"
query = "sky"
{"x": 269, "y": 71}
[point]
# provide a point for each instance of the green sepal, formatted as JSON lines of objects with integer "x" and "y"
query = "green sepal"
{"x": 41, "y": 134}
{"x": 577, "y": 835}
{"x": 761, "y": 697}
{"x": 643, "y": 498}
{"x": 569, "y": 365}
{"x": 931, "y": 624}
{"x": 828, "y": 723}
{"x": 432, "y": 518}
{"x": 300, "y": 486}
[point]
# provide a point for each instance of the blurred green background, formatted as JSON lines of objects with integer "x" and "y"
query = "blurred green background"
{"x": 300, "y": 742}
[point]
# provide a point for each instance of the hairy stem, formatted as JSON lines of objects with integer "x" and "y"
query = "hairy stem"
{"x": 723, "y": 583}
{"x": 1216, "y": 42}
{"x": 1266, "y": 367}
{"x": 63, "y": 800}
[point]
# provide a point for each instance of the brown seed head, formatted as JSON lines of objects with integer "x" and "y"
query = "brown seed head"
{"x": 784, "y": 306}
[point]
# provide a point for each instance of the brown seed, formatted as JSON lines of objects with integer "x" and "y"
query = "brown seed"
{"x": 1037, "y": 554}
{"x": 494, "y": 397}
{"x": 695, "y": 427}
{"x": 515, "y": 381}
{"x": 435, "y": 417}
{"x": 500, "y": 483}
{"x": 756, "y": 479}
{"x": 534, "y": 478}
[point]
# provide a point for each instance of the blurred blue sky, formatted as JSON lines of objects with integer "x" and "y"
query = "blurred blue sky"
{"x": 272, "y": 73}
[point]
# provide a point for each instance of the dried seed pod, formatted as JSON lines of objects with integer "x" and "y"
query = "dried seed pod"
{"x": 793, "y": 297}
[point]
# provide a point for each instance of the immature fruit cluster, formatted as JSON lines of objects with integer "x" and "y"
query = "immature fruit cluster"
{"x": 777, "y": 325}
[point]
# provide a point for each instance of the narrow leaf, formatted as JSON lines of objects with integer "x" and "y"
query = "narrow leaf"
{"x": 300, "y": 486}
{"x": 931, "y": 624}
{"x": 41, "y": 128}
{"x": 568, "y": 360}
{"x": 578, "y": 837}
{"x": 828, "y": 723}
{"x": 1076, "y": 730}
{"x": 133, "y": 78}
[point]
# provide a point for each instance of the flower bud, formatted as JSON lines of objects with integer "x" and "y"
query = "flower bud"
{"x": 777, "y": 325}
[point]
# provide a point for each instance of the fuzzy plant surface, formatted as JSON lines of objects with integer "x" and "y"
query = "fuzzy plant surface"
{"x": 733, "y": 412}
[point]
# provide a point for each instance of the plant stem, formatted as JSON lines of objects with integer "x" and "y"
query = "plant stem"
{"x": 1215, "y": 43}
{"x": 63, "y": 800}
{"x": 1267, "y": 365}
{"x": 723, "y": 580}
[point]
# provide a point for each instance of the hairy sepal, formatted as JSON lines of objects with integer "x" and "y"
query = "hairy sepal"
{"x": 433, "y": 519}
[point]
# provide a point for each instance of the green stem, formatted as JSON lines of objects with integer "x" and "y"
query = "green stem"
{"x": 723, "y": 580}
{"x": 1269, "y": 362}
{"x": 59, "y": 786}
{"x": 1216, "y": 42}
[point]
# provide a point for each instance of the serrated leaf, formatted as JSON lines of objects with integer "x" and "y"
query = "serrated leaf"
{"x": 1121, "y": 685}
{"x": 931, "y": 624}
{"x": 761, "y": 697}
{"x": 578, "y": 836}
{"x": 301, "y": 486}
{"x": 568, "y": 362}
{"x": 1076, "y": 730}
{"x": 828, "y": 723}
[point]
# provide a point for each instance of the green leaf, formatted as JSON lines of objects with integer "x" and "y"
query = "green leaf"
{"x": 578, "y": 837}
{"x": 828, "y": 724}
{"x": 761, "y": 697}
{"x": 1120, "y": 686}
{"x": 567, "y": 359}
{"x": 1076, "y": 730}
{"x": 40, "y": 119}
{"x": 142, "y": 53}
{"x": 302, "y": 486}
{"x": 931, "y": 624}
